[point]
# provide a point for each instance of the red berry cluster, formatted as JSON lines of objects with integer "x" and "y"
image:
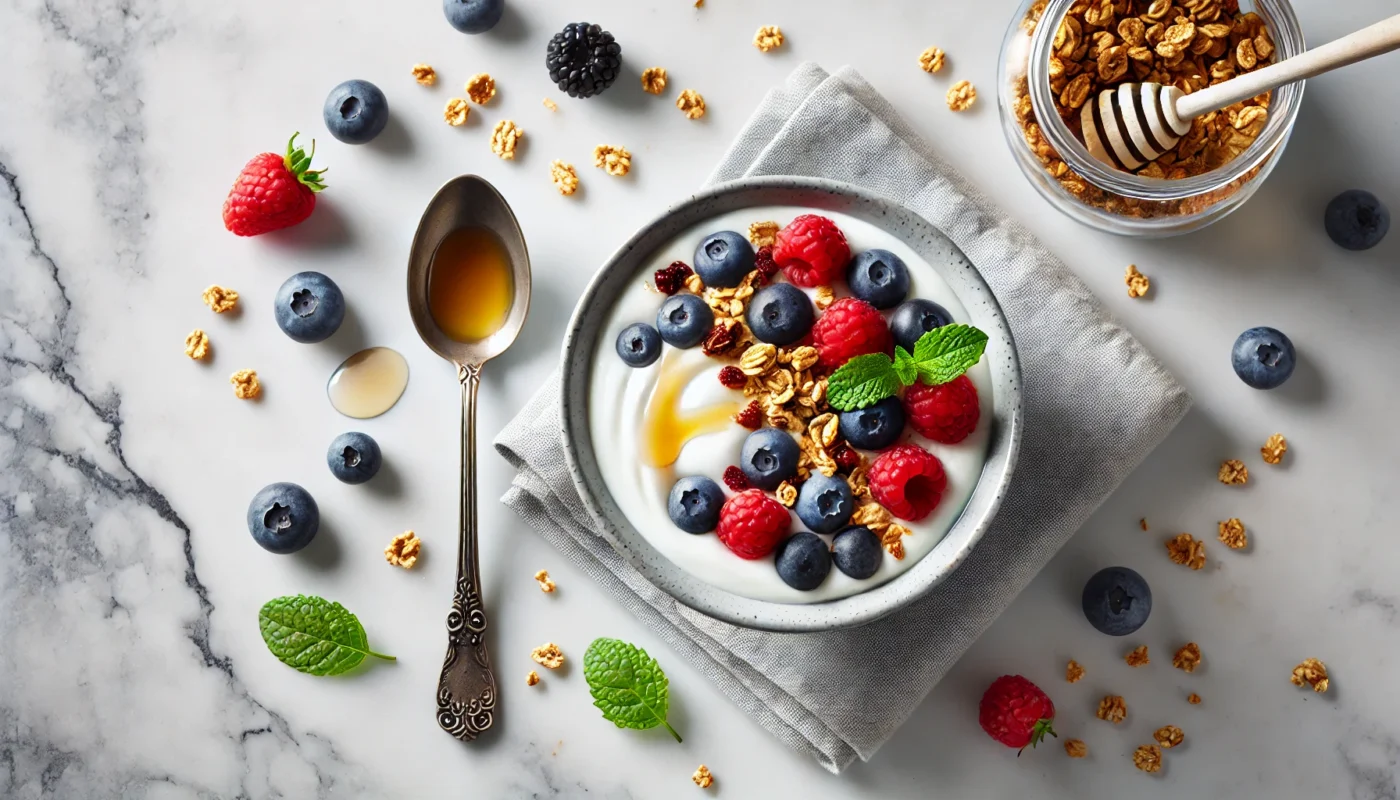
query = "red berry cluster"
{"x": 669, "y": 280}
{"x": 764, "y": 263}
{"x": 732, "y": 377}
{"x": 735, "y": 479}
{"x": 751, "y": 417}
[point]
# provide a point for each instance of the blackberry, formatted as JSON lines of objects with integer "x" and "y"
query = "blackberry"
{"x": 583, "y": 59}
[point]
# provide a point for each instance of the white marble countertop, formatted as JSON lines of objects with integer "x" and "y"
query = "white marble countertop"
{"x": 130, "y": 659}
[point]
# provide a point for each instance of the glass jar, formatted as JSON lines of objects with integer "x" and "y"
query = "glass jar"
{"x": 1108, "y": 198}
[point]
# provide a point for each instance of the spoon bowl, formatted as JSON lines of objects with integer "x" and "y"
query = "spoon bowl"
{"x": 466, "y": 693}
{"x": 467, "y": 201}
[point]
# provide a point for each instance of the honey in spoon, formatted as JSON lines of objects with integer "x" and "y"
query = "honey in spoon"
{"x": 470, "y": 289}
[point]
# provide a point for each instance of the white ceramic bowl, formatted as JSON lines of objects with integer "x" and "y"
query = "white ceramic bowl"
{"x": 624, "y": 268}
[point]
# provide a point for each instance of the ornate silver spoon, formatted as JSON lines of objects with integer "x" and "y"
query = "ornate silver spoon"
{"x": 466, "y": 694}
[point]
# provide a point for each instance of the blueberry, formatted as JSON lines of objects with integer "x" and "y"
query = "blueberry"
{"x": 639, "y": 345}
{"x": 723, "y": 259}
{"x": 1356, "y": 220}
{"x": 1117, "y": 601}
{"x": 473, "y": 16}
{"x": 825, "y": 504}
{"x": 309, "y": 307}
{"x": 780, "y": 314}
{"x": 1263, "y": 358}
{"x": 684, "y": 320}
{"x": 857, "y": 552}
{"x": 914, "y": 319}
{"x": 283, "y": 518}
{"x": 878, "y": 277}
{"x": 354, "y": 457}
{"x": 694, "y": 504}
{"x": 803, "y": 561}
{"x": 874, "y": 427}
{"x": 769, "y": 457}
{"x": 355, "y": 112}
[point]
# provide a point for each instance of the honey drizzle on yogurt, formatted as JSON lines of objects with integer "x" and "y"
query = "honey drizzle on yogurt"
{"x": 665, "y": 427}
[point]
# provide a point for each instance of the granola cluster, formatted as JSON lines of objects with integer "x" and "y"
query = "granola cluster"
{"x": 1075, "y": 748}
{"x": 245, "y": 384}
{"x": 546, "y": 583}
{"x": 1311, "y": 672}
{"x": 1186, "y": 550}
{"x": 1194, "y": 699}
{"x": 768, "y": 37}
{"x": 424, "y": 74}
{"x": 702, "y": 776}
{"x": 1169, "y": 736}
{"x": 548, "y": 655}
{"x": 1274, "y": 448}
{"x": 763, "y": 234}
{"x": 1188, "y": 657}
{"x": 480, "y": 88}
{"x": 654, "y": 80}
{"x": 403, "y": 550}
{"x": 505, "y": 138}
{"x": 1138, "y": 283}
{"x": 1137, "y": 657}
{"x": 564, "y": 176}
{"x": 1148, "y": 758}
{"x": 1233, "y": 473}
{"x": 1112, "y": 709}
{"x": 1232, "y": 533}
{"x": 1190, "y": 45}
{"x": 197, "y": 344}
{"x": 932, "y": 60}
{"x": 614, "y": 160}
{"x": 220, "y": 298}
{"x": 550, "y": 104}
{"x": 456, "y": 111}
{"x": 961, "y": 96}
{"x": 532, "y": 678}
{"x": 1073, "y": 672}
{"x": 691, "y": 104}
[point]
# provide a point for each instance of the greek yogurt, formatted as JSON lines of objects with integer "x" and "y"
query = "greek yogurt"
{"x": 655, "y": 424}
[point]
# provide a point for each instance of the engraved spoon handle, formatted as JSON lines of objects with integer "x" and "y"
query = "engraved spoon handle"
{"x": 466, "y": 696}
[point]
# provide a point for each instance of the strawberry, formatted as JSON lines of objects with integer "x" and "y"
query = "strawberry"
{"x": 1016, "y": 712}
{"x": 273, "y": 192}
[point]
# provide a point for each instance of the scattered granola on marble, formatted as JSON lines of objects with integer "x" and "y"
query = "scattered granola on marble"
{"x": 1233, "y": 473}
{"x": 480, "y": 88}
{"x": 1137, "y": 657}
{"x": 424, "y": 74}
{"x": 614, "y": 160}
{"x": 546, "y": 583}
{"x": 1075, "y": 748}
{"x": 702, "y": 777}
{"x": 456, "y": 111}
{"x": 1148, "y": 758}
{"x": 1274, "y": 449}
{"x": 691, "y": 104}
{"x": 962, "y": 96}
{"x": 1188, "y": 657}
{"x": 245, "y": 384}
{"x": 197, "y": 344}
{"x": 1073, "y": 672}
{"x": 548, "y": 655}
{"x": 768, "y": 37}
{"x": 1232, "y": 533}
{"x": 1112, "y": 709}
{"x": 932, "y": 60}
{"x": 1186, "y": 550}
{"x": 505, "y": 138}
{"x": 1138, "y": 283}
{"x": 564, "y": 177}
{"x": 532, "y": 678}
{"x": 1169, "y": 736}
{"x": 654, "y": 80}
{"x": 403, "y": 550}
{"x": 1194, "y": 699}
{"x": 219, "y": 298}
{"x": 1311, "y": 672}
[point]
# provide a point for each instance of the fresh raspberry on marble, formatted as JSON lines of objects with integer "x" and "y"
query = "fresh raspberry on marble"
{"x": 273, "y": 192}
{"x": 671, "y": 279}
{"x": 908, "y": 481}
{"x": 735, "y": 479}
{"x": 1016, "y": 712}
{"x": 849, "y": 328}
{"x": 732, "y": 377}
{"x": 946, "y": 413}
{"x": 812, "y": 251}
{"x": 751, "y": 524}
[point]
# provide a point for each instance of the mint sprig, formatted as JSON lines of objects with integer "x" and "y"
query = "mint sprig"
{"x": 627, "y": 685}
{"x": 314, "y": 635}
{"x": 940, "y": 355}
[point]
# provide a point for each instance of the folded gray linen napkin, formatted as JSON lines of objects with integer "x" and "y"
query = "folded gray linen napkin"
{"x": 1096, "y": 403}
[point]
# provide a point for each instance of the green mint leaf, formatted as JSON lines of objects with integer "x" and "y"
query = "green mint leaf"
{"x": 944, "y": 353}
{"x": 862, "y": 381}
{"x": 314, "y": 635}
{"x": 905, "y": 368}
{"x": 627, "y": 685}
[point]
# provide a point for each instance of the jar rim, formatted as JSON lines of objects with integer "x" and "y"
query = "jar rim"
{"x": 1287, "y": 34}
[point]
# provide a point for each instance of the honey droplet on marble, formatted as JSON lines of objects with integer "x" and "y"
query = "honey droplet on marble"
{"x": 368, "y": 383}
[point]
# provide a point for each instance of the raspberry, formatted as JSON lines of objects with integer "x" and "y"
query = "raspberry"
{"x": 945, "y": 413}
{"x": 846, "y": 459}
{"x": 671, "y": 279}
{"x": 751, "y": 417}
{"x": 764, "y": 263}
{"x": 908, "y": 481}
{"x": 732, "y": 377}
{"x": 850, "y": 328}
{"x": 735, "y": 479}
{"x": 812, "y": 251}
{"x": 751, "y": 524}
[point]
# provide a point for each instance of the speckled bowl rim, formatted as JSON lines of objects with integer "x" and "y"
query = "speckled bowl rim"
{"x": 590, "y": 318}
